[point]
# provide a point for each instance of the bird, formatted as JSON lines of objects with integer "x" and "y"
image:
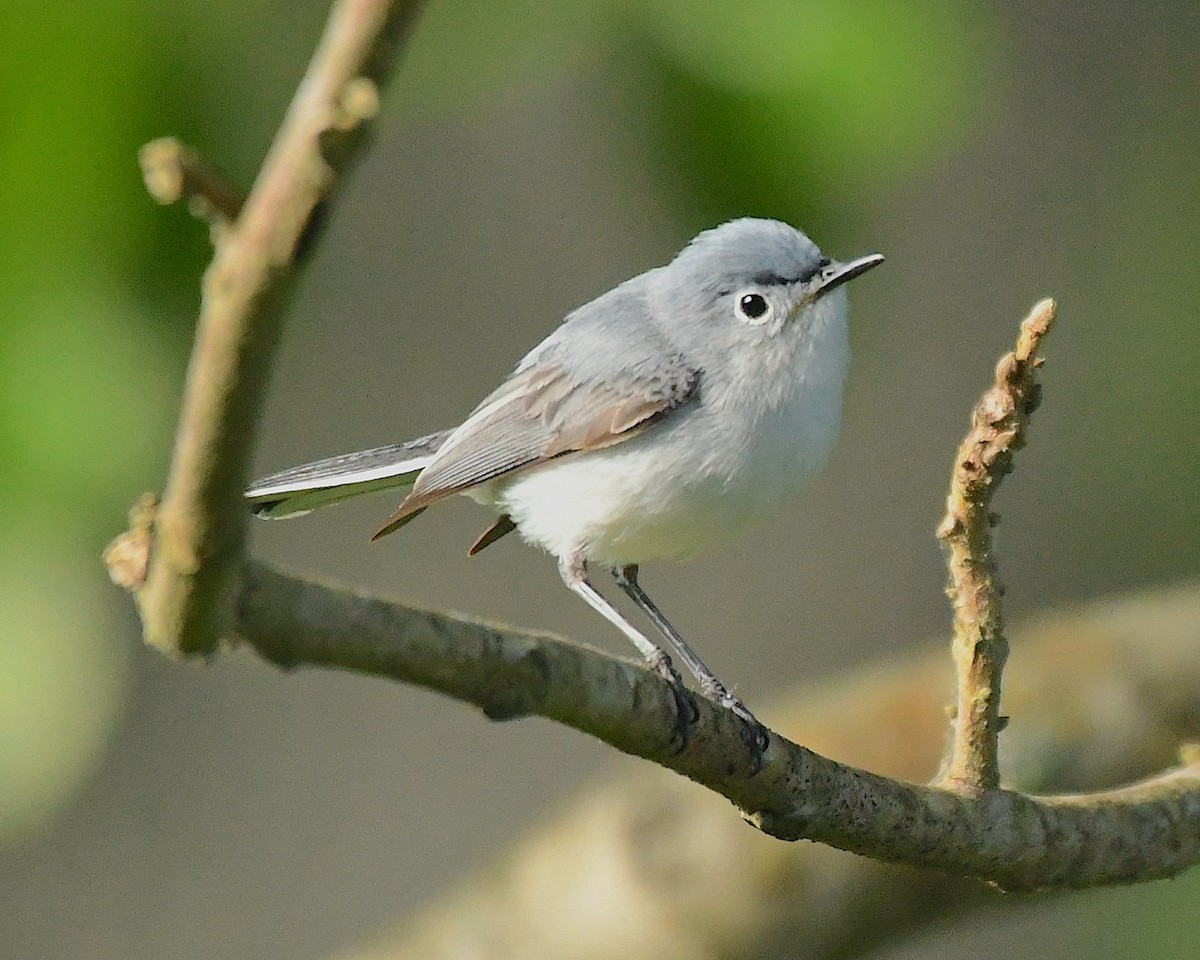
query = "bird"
{"x": 677, "y": 410}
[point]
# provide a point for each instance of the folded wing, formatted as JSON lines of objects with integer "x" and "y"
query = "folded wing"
{"x": 546, "y": 409}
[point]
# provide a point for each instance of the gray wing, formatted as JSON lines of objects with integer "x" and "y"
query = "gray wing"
{"x": 299, "y": 490}
{"x": 602, "y": 377}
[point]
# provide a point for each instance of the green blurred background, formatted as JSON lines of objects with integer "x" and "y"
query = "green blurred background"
{"x": 531, "y": 155}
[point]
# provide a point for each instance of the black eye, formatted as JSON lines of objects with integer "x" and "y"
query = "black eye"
{"x": 752, "y": 306}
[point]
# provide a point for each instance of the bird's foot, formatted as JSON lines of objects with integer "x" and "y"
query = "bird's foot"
{"x": 755, "y": 733}
{"x": 660, "y": 663}
{"x": 685, "y": 708}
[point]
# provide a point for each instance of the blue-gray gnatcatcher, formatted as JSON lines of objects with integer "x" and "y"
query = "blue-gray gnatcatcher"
{"x": 678, "y": 408}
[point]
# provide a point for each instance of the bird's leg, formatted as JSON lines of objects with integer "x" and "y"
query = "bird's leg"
{"x": 710, "y": 686}
{"x": 573, "y": 571}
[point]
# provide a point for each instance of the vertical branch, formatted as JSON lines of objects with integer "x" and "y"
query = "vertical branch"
{"x": 187, "y": 598}
{"x": 980, "y": 649}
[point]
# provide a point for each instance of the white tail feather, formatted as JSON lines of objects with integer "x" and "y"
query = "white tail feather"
{"x": 300, "y": 490}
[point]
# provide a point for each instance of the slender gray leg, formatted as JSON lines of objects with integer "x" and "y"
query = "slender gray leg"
{"x": 710, "y": 686}
{"x": 573, "y": 571}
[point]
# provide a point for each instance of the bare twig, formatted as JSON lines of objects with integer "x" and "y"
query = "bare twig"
{"x": 980, "y": 649}
{"x": 188, "y": 596}
{"x": 173, "y": 171}
{"x": 680, "y": 878}
{"x": 1150, "y": 829}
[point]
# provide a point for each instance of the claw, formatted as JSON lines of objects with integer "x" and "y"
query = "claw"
{"x": 754, "y": 733}
{"x": 686, "y": 713}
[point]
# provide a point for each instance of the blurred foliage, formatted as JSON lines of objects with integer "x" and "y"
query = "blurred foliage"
{"x": 769, "y": 106}
{"x": 86, "y": 374}
{"x": 99, "y": 288}
{"x": 764, "y": 102}
{"x": 748, "y": 100}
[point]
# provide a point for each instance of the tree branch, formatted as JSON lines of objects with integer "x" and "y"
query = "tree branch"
{"x": 188, "y": 595}
{"x": 998, "y": 426}
{"x": 1150, "y": 829}
{"x": 631, "y": 842}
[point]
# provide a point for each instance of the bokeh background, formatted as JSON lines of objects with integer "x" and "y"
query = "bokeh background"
{"x": 531, "y": 155}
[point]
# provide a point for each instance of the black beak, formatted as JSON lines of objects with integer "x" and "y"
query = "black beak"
{"x": 836, "y": 273}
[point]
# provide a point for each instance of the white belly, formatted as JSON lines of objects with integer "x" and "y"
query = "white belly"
{"x": 673, "y": 491}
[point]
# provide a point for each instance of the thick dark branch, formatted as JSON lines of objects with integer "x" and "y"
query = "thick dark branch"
{"x": 1148, "y": 830}
{"x": 997, "y": 430}
{"x": 196, "y": 549}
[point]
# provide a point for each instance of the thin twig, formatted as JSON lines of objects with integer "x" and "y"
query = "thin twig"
{"x": 174, "y": 171}
{"x": 188, "y": 596}
{"x": 997, "y": 430}
{"x": 1150, "y": 829}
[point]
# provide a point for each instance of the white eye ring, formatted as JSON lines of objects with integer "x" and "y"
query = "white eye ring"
{"x": 752, "y": 307}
